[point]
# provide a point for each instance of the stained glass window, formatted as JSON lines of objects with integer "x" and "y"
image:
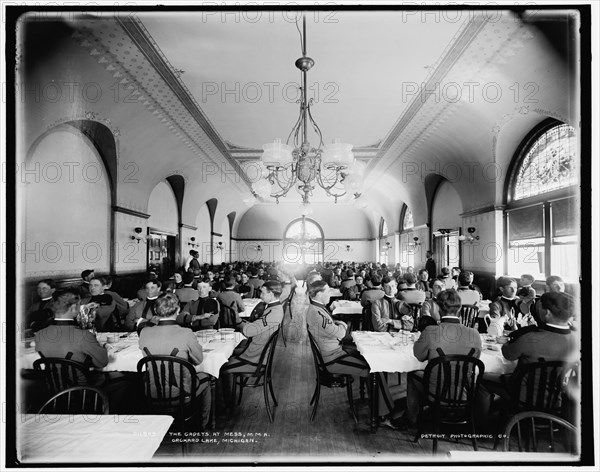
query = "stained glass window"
{"x": 550, "y": 164}
{"x": 408, "y": 219}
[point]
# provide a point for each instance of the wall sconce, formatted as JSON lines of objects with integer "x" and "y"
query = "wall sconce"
{"x": 469, "y": 238}
{"x": 387, "y": 246}
{"x": 348, "y": 249}
{"x": 219, "y": 246}
{"x": 138, "y": 235}
{"x": 415, "y": 242}
{"x": 192, "y": 242}
{"x": 444, "y": 230}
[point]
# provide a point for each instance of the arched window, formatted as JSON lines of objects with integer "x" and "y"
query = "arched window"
{"x": 549, "y": 164}
{"x": 303, "y": 242}
{"x": 383, "y": 228}
{"x": 407, "y": 250}
{"x": 542, "y": 213}
{"x": 407, "y": 221}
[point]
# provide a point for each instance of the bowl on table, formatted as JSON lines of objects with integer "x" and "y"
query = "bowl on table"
{"x": 227, "y": 330}
{"x": 206, "y": 332}
{"x": 112, "y": 338}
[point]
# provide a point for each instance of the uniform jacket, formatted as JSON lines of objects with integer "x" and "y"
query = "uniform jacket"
{"x": 259, "y": 331}
{"x": 326, "y": 332}
{"x": 382, "y": 311}
{"x": 450, "y": 335}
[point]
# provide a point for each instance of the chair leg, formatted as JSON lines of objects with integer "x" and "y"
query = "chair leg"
{"x": 349, "y": 381}
{"x": 267, "y": 404}
{"x": 272, "y": 392}
{"x": 243, "y": 381}
{"x": 362, "y": 382}
{"x": 312, "y": 400}
{"x": 316, "y": 399}
{"x": 473, "y": 431}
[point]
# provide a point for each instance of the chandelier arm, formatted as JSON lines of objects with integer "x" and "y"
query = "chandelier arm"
{"x": 315, "y": 127}
{"x": 328, "y": 188}
{"x": 285, "y": 187}
{"x": 296, "y": 127}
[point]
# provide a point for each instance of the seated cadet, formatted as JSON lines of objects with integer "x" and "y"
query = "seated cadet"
{"x": 388, "y": 313}
{"x": 467, "y": 296}
{"x": 230, "y": 298}
{"x": 187, "y": 293}
{"x": 40, "y": 313}
{"x": 176, "y": 283}
{"x": 246, "y": 355}
{"x": 376, "y": 292}
{"x": 86, "y": 275}
{"x": 510, "y": 306}
{"x": 202, "y": 313}
{"x": 410, "y": 294}
{"x": 122, "y": 305}
{"x": 107, "y": 313}
{"x": 341, "y": 358}
{"x": 430, "y": 306}
{"x": 449, "y": 282}
{"x": 452, "y": 337}
{"x": 143, "y": 311}
{"x": 553, "y": 340}
{"x": 244, "y": 288}
{"x": 423, "y": 283}
{"x": 167, "y": 338}
{"x": 64, "y": 338}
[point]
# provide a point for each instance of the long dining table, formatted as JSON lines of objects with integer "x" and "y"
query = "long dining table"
{"x": 124, "y": 353}
{"x": 393, "y": 352}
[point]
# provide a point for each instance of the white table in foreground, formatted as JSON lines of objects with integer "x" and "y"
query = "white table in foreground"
{"x": 90, "y": 438}
{"x": 124, "y": 355}
{"x": 249, "y": 305}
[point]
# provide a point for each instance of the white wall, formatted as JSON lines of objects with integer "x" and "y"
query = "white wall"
{"x": 162, "y": 207}
{"x": 66, "y": 208}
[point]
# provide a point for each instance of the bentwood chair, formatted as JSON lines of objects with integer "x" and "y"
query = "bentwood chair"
{"x": 327, "y": 379}
{"x": 415, "y": 311}
{"x": 468, "y": 315}
{"x": 227, "y": 316}
{"x": 77, "y": 400}
{"x": 536, "y": 431}
{"x": 537, "y": 386}
{"x": 62, "y": 373}
{"x": 259, "y": 375}
{"x": 170, "y": 387}
{"x": 450, "y": 383}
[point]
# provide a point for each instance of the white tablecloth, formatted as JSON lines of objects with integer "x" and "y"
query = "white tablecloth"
{"x": 90, "y": 438}
{"x": 249, "y": 304}
{"x": 385, "y": 353}
{"x": 346, "y": 307}
{"x": 124, "y": 355}
{"x": 335, "y": 293}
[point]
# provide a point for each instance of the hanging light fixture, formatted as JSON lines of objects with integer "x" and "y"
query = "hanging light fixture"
{"x": 332, "y": 167}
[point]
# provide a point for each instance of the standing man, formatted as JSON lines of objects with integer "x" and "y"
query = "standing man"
{"x": 430, "y": 265}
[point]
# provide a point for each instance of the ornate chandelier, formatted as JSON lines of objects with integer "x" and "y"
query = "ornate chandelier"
{"x": 331, "y": 167}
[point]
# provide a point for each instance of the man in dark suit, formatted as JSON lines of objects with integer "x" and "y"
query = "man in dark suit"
{"x": 84, "y": 288}
{"x": 143, "y": 311}
{"x": 168, "y": 338}
{"x": 430, "y": 266}
{"x": 451, "y": 336}
{"x": 40, "y": 313}
{"x": 64, "y": 336}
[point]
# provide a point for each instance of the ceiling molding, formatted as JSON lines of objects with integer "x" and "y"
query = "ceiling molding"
{"x": 129, "y": 211}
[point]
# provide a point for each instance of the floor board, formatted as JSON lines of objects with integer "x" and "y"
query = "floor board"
{"x": 333, "y": 436}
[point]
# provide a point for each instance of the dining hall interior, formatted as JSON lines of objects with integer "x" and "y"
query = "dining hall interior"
{"x": 372, "y": 216}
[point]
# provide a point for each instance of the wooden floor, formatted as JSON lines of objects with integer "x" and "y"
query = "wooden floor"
{"x": 333, "y": 436}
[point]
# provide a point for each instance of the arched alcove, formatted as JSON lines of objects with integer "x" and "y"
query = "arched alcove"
{"x": 67, "y": 206}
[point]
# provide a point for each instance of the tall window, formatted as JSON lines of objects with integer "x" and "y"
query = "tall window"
{"x": 407, "y": 247}
{"x": 542, "y": 213}
{"x": 383, "y": 247}
{"x": 303, "y": 242}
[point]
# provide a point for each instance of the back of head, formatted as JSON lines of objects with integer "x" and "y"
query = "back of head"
{"x": 386, "y": 280}
{"x": 464, "y": 278}
{"x": 316, "y": 287}
{"x": 349, "y": 273}
{"x": 449, "y": 301}
{"x": 230, "y": 282}
{"x": 166, "y": 305}
{"x": 188, "y": 278}
{"x": 410, "y": 278}
{"x": 63, "y": 300}
{"x": 86, "y": 273}
{"x": 445, "y": 270}
{"x": 273, "y": 286}
{"x": 376, "y": 279}
{"x": 560, "y": 305}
